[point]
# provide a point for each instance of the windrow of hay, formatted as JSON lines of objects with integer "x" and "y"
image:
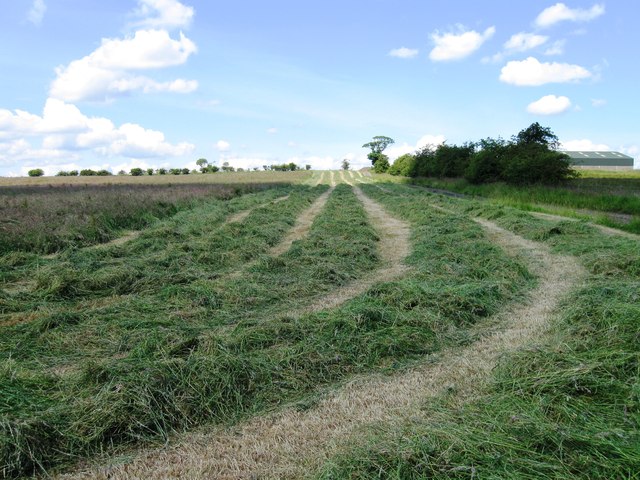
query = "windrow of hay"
{"x": 293, "y": 443}
{"x": 302, "y": 225}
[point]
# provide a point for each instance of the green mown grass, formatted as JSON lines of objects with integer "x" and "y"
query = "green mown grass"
{"x": 95, "y": 367}
{"x": 569, "y": 408}
{"x": 588, "y": 197}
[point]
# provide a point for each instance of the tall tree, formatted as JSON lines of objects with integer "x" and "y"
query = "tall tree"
{"x": 379, "y": 143}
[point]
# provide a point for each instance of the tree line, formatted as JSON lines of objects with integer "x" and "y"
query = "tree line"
{"x": 531, "y": 156}
{"x": 203, "y": 167}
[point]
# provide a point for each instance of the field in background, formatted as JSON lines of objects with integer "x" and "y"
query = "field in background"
{"x": 215, "y": 178}
{"x": 200, "y": 319}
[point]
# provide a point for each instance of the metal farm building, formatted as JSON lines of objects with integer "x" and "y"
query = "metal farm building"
{"x": 601, "y": 160}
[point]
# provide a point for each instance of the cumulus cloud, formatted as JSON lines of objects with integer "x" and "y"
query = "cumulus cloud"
{"x": 36, "y": 12}
{"x": 64, "y": 129}
{"x": 57, "y": 117}
{"x": 455, "y": 46}
{"x": 531, "y": 72}
{"x": 549, "y": 105}
{"x": 106, "y": 72}
{"x": 223, "y": 145}
{"x": 164, "y": 14}
{"x": 396, "y": 150}
{"x": 403, "y": 52}
{"x": 560, "y": 13}
{"x": 583, "y": 144}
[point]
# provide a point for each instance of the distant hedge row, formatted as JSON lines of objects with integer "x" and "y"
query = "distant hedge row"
{"x": 529, "y": 157}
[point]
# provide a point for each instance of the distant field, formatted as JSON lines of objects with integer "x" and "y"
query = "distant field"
{"x": 219, "y": 177}
{"x": 332, "y": 326}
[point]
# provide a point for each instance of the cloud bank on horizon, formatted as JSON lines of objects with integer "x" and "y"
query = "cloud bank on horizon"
{"x": 250, "y": 95}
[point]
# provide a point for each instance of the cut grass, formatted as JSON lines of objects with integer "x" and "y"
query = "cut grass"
{"x": 100, "y": 367}
{"x": 570, "y": 408}
{"x": 613, "y": 202}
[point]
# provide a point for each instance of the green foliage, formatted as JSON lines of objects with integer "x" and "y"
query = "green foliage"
{"x": 149, "y": 171}
{"x": 36, "y": 172}
{"x": 209, "y": 169}
{"x": 307, "y": 167}
{"x": 379, "y": 161}
{"x": 536, "y": 134}
{"x": 87, "y": 172}
{"x": 162, "y": 171}
{"x": 185, "y": 171}
{"x": 103, "y": 173}
{"x": 535, "y": 163}
{"x": 345, "y": 164}
{"x": 175, "y": 171}
{"x": 136, "y": 172}
{"x": 379, "y": 144}
{"x": 285, "y": 167}
{"x": 486, "y": 164}
{"x": 202, "y": 162}
{"x": 404, "y": 165}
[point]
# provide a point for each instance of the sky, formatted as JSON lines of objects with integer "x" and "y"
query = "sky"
{"x": 162, "y": 83}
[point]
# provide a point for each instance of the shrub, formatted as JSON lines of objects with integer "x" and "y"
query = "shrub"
{"x": 486, "y": 164}
{"x": 87, "y": 172}
{"x": 36, "y": 172}
{"x": 136, "y": 172}
{"x": 403, "y": 165}
{"x": 379, "y": 161}
{"x": 103, "y": 173}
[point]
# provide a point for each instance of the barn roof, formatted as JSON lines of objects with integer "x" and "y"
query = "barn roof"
{"x": 610, "y": 159}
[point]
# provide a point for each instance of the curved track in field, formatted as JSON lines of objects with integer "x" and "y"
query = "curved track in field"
{"x": 291, "y": 443}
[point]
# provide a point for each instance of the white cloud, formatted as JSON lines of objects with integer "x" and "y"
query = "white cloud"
{"x": 106, "y": 72}
{"x": 556, "y": 48}
{"x": 560, "y": 12}
{"x": 396, "y": 150}
{"x": 65, "y": 129}
{"x": 598, "y": 102}
{"x": 57, "y": 117}
{"x": 531, "y": 72}
{"x": 549, "y": 105}
{"x": 36, "y": 12}
{"x": 223, "y": 145}
{"x": 519, "y": 42}
{"x": 164, "y": 14}
{"x": 21, "y": 152}
{"x": 583, "y": 144}
{"x": 272, "y": 130}
{"x": 455, "y": 46}
{"x": 403, "y": 52}
{"x": 523, "y": 41}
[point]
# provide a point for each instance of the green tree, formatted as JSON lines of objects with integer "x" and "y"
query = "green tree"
{"x": 162, "y": 171}
{"x": 537, "y": 134}
{"x": 87, "y": 172}
{"x": 345, "y": 164}
{"x": 36, "y": 172}
{"x": 404, "y": 165}
{"x": 136, "y": 172}
{"x": 149, "y": 171}
{"x": 380, "y": 162}
{"x": 202, "y": 162}
{"x": 379, "y": 143}
{"x": 307, "y": 167}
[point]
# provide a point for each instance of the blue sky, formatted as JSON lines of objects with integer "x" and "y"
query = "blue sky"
{"x": 155, "y": 83}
